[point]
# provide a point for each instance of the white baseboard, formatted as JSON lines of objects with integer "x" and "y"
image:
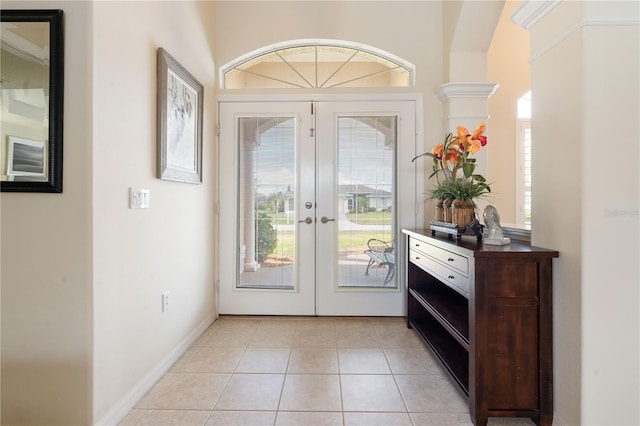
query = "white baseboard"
{"x": 120, "y": 410}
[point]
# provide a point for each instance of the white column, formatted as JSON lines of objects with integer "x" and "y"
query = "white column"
{"x": 585, "y": 107}
{"x": 248, "y": 145}
{"x": 467, "y": 104}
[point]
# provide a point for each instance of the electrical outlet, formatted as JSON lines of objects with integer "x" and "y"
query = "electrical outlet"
{"x": 165, "y": 301}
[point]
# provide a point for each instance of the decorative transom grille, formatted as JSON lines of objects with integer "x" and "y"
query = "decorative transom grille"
{"x": 317, "y": 64}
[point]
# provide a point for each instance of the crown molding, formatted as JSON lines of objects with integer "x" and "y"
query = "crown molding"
{"x": 466, "y": 90}
{"x": 602, "y": 22}
{"x": 531, "y": 11}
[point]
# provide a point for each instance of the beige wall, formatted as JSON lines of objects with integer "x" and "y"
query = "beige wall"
{"x": 139, "y": 254}
{"x": 82, "y": 274}
{"x": 46, "y": 264}
{"x": 507, "y": 64}
{"x": 587, "y": 207}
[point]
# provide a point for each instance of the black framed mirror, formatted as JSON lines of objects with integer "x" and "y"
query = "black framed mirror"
{"x": 31, "y": 100}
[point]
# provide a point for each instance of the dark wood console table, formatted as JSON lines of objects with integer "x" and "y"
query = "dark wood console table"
{"x": 486, "y": 312}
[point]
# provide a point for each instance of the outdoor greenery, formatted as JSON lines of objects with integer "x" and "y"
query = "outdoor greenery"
{"x": 270, "y": 240}
{"x": 357, "y": 240}
{"x": 362, "y": 204}
{"x": 370, "y": 218}
{"x": 267, "y": 236}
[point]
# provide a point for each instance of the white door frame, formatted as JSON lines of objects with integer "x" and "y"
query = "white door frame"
{"x": 410, "y": 174}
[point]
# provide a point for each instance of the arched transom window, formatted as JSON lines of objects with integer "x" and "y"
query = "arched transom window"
{"x": 316, "y": 64}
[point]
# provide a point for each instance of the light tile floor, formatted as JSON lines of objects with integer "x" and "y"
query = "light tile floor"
{"x": 255, "y": 371}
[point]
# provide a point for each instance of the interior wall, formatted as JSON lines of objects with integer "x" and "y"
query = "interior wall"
{"x": 468, "y": 30}
{"x": 46, "y": 262}
{"x": 589, "y": 214}
{"x": 611, "y": 219}
{"x": 140, "y": 254}
{"x": 507, "y": 64}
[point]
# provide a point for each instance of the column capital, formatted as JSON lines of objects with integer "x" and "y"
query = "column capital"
{"x": 466, "y": 90}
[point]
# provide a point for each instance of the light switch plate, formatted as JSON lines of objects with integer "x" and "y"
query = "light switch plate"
{"x": 138, "y": 198}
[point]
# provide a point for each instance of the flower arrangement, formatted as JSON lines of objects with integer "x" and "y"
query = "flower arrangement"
{"x": 453, "y": 156}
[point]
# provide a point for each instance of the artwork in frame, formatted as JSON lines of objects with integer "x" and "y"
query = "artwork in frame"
{"x": 180, "y": 104}
{"x": 26, "y": 160}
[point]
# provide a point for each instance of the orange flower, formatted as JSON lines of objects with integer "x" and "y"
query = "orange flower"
{"x": 474, "y": 146}
{"x": 477, "y": 135}
{"x": 437, "y": 151}
{"x": 462, "y": 132}
{"x": 478, "y": 131}
{"x": 452, "y": 156}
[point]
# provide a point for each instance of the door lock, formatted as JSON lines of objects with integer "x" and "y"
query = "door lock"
{"x": 308, "y": 205}
{"x": 306, "y": 220}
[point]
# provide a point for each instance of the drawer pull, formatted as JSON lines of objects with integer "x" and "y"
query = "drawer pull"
{"x": 417, "y": 257}
{"x": 451, "y": 259}
{"x": 451, "y": 277}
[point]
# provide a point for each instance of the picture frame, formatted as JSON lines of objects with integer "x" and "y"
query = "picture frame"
{"x": 179, "y": 122}
{"x": 26, "y": 159}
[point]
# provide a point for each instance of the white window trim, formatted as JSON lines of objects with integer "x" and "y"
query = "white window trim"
{"x": 521, "y": 125}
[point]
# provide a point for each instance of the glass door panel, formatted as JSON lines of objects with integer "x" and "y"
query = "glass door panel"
{"x": 365, "y": 200}
{"x": 267, "y": 202}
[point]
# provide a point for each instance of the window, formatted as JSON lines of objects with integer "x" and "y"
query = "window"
{"x": 316, "y": 64}
{"x": 523, "y": 161}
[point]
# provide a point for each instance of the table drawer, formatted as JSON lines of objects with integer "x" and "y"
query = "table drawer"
{"x": 449, "y": 276}
{"x": 451, "y": 259}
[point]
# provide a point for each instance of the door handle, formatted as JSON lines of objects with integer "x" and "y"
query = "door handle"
{"x": 325, "y": 219}
{"x": 307, "y": 220}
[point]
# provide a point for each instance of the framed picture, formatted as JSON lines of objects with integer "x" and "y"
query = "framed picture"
{"x": 25, "y": 159}
{"x": 180, "y": 100}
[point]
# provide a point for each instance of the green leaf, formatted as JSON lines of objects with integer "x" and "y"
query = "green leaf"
{"x": 428, "y": 154}
{"x": 447, "y": 142}
{"x": 468, "y": 168}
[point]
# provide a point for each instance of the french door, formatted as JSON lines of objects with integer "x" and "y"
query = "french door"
{"x": 312, "y": 199}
